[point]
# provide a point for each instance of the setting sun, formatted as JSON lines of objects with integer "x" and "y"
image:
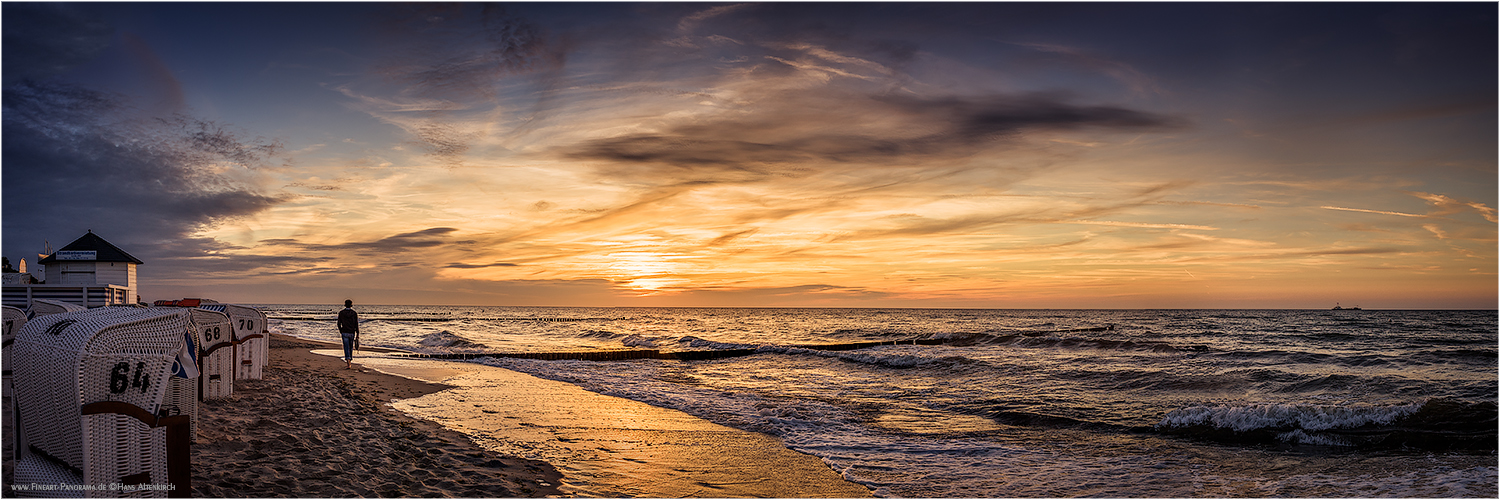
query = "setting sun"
{"x": 689, "y": 156}
{"x": 754, "y": 250}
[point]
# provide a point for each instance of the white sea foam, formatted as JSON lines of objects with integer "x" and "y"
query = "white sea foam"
{"x": 446, "y": 339}
{"x": 1275, "y": 416}
{"x": 1298, "y": 436}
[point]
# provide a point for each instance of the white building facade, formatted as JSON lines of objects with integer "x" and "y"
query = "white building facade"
{"x": 90, "y": 272}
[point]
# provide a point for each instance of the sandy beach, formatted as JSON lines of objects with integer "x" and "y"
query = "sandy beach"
{"x": 311, "y": 428}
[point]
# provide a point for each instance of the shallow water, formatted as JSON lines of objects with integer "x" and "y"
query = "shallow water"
{"x": 608, "y": 447}
{"x": 1184, "y": 403}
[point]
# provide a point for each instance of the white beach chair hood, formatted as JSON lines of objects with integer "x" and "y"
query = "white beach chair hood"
{"x": 95, "y": 387}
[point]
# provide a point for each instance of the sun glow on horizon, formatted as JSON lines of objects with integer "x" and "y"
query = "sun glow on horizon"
{"x": 658, "y": 155}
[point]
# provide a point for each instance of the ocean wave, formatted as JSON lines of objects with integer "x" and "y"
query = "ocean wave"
{"x": 1308, "y": 417}
{"x": 1054, "y": 340}
{"x": 447, "y": 340}
{"x": 1434, "y": 424}
{"x": 634, "y": 340}
{"x": 1031, "y": 419}
{"x": 601, "y": 334}
{"x": 695, "y": 343}
{"x": 887, "y": 360}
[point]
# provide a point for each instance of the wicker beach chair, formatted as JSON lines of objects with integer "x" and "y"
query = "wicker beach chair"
{"x": 14, "y": 318}
{"x": 250, "y": 338}
{"x": 38, "y": 470}
{"x": 216, "y": 356}
{"x": 43, "y": 307}
{"x": 95, "y": 393}
{"x": 15, "y": 440}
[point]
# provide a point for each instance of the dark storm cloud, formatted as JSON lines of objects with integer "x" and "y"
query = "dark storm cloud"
{"x": 42, "y": 39}
{"x": 462, "y": 51}
{"x": 75, "y": 160}
{"x": 981, "y": 119}
{"x": 804, "y": 131}
{"x": 416, "y": 240}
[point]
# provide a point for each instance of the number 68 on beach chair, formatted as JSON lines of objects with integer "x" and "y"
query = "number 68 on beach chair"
{"x": 217, "y": 358}
{"x": 250, "y": 341}
{"x": 106, "y": 398}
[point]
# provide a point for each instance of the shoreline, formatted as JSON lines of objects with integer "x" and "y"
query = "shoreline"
{"x": 290, "y": 435}
{"x": 394, "y": 427}
{"x": 607, "y": 446}
{"x": 312, "y": 429}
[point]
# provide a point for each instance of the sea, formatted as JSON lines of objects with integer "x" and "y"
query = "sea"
{"x": 1034, "y": 403}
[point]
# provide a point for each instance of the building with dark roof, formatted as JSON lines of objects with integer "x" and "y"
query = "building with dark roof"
{"x": 89, "y": 272}
{"x": 90, "y": 247}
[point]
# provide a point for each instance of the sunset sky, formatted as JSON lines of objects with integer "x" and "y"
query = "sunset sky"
{"x": 1053, "y": 155}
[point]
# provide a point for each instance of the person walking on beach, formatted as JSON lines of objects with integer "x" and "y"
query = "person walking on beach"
{"x": 349, "y": 330}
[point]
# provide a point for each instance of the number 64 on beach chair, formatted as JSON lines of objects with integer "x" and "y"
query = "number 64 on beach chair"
{"x": 106, "y": 398}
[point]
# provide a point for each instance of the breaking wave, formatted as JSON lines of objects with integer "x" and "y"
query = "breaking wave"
{"x": 1434, "y": 424}
{"x": 449, "y": 341}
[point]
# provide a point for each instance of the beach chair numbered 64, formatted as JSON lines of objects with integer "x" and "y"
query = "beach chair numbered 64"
{"x": 106, "y": 398}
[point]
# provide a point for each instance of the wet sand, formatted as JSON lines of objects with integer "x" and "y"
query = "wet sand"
{"x": 611, "y": 447}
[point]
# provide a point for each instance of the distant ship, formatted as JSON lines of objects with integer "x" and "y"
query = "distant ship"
{"x": 1336, "y": 307}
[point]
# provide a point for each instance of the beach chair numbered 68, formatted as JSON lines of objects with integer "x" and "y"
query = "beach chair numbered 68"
{"x": 250, "y": 339}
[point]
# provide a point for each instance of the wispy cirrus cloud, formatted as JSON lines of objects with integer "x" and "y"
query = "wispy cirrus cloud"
{"x": 444, "y": 67}
{"x": 1146, "y": 225}
{"x": 1137, "y": 80}
{"x": 1447, "y": 205}
{"x": 1443, "y": 204}
{"x": 690, "y": 22}
{"x": 1368, "y": 211}
{"x": 459, "y": 265}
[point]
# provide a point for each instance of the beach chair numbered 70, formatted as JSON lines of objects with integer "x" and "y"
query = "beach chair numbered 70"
{"x": 250, "y": 339}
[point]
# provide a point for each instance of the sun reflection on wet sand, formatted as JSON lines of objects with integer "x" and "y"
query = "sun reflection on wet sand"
{"x": 611, "y": 447}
